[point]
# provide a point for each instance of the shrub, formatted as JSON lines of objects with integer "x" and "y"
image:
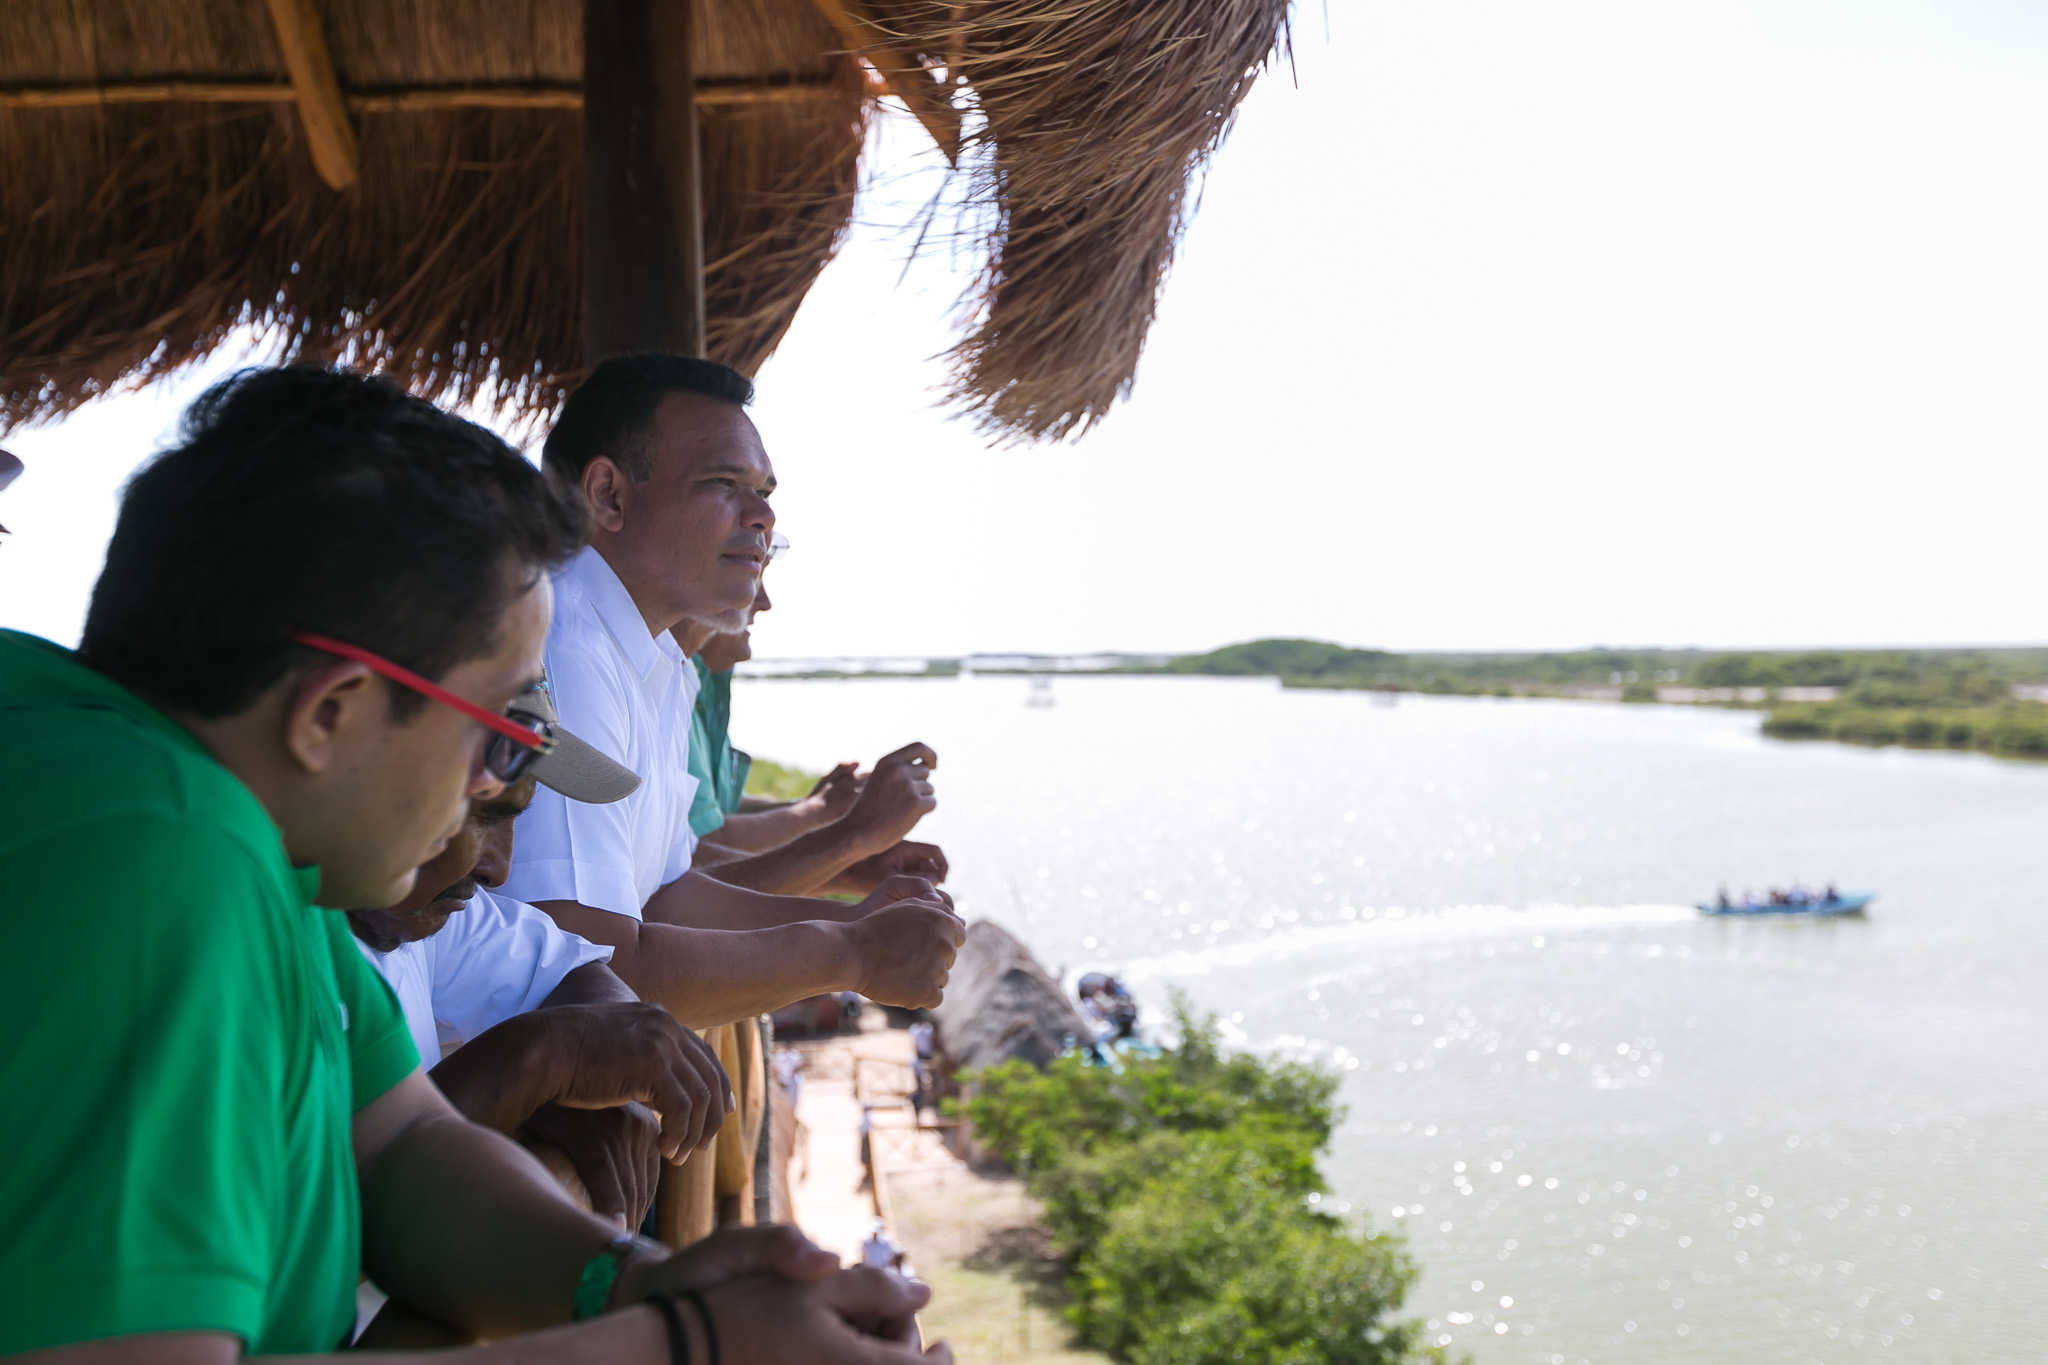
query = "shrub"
{"x": 1180, "y": 1192}
{"x": 2013, "y": 728}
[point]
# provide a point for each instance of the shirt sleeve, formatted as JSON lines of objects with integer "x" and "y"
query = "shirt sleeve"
{"x": 136, "y": 1193}
{"x": 380, "y": 1046}
{"x": 498, "y": 958}
{"x": 570, "y": 850}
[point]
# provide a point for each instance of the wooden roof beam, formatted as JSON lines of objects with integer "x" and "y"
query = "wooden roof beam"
{"x": 410, "y": 99}
{"x": 322, "y": 112}
{"x": 908, "y": 79}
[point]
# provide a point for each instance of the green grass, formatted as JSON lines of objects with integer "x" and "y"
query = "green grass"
{"x": 778, "y": 782}
{"x": 981, "y": 1245}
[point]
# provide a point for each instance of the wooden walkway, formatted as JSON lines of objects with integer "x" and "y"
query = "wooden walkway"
{"x": 836, "y": 1200}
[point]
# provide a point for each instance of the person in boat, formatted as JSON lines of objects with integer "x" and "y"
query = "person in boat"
{"x": 849, "y": 854}
{"x": 677, "y": 485}
{"x": 1721, "y": 898}
{"x": 1109, "y": 1003}
{"x": 295, "y": 673}
{"x": 1831, "y": 894}
{"x": 531, "y": 1019}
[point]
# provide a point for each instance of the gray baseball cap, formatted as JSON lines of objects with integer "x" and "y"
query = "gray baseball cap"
{"x": 572, "y": 767}
{"x": 10, "y": 466}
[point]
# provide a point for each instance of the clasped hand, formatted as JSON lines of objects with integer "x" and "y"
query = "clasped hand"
{"x": 627, "y": 1051}
{"x": 795, "y": 1300}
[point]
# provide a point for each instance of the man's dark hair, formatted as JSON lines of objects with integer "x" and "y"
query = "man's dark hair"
{"x": 316, "y": 501}
{"x": 613, "y": 407}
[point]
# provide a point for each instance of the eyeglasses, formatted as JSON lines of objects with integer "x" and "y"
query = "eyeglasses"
{"x": 778, "y": 545}
{"x": 514, "y": 745}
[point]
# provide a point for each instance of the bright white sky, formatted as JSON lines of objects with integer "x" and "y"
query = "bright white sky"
{"x": 1516, "y": 325}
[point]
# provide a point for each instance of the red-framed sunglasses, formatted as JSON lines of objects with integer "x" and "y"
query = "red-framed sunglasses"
{"x": 513, "y": 745}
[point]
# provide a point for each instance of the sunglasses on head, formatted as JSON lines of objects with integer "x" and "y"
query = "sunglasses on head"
{"x": 514, "y": 745}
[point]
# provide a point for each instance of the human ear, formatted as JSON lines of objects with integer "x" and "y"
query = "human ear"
{"x": 604, "y": 490}
{"x": 321, "y": 708}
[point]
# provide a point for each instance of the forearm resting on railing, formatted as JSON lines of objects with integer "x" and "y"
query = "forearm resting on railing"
{"x": 460, "y": 1223}
{"x": 707, "y": 977}
{"x": 802, "y": 867}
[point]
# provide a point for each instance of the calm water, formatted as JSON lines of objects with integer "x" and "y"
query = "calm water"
{"x": 1612, "y": 1130}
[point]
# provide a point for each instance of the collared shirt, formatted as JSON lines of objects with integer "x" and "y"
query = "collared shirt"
{"x": 496, "y": 957}
{"x": 721, "y": 770}
{"x": 629, "y": 693}
{"x": 187, "y": 1036}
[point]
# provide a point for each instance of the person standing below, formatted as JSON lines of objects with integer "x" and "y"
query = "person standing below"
{"x": 677, "y": 486}
{"x": 295, "y": 671}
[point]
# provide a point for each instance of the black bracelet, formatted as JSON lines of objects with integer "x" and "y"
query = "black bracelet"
{"x": 710, "y": 1331}
{"x": 678, "y": 1339}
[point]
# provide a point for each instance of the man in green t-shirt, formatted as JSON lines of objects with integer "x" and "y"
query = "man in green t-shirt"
{"x": 293, "y": 679}
{"x": 847, "y": 847}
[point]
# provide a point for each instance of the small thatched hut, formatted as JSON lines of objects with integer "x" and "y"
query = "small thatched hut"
{"x": 1001, "y": 1006}
{"x": 479, "y": 197}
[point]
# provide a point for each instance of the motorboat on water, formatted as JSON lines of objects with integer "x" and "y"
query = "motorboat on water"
{"x": 1851, "y": 903}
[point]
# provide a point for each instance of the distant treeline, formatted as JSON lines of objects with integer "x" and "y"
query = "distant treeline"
{"x": 1877, "y": 677}
{"x": 1953, "y": 698}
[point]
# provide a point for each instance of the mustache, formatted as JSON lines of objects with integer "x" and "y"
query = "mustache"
{"x": 461, "y": 891}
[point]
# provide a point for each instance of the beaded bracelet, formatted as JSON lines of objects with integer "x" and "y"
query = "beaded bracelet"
{"x": 678, "y": 1339}
{"x": 710, "y": 1330}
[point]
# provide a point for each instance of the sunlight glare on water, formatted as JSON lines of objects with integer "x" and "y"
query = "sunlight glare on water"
{"x": 1611, "y": 1129}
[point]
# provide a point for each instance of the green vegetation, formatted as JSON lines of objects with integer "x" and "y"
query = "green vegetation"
{"x": 1933, "y": 698}
{"x": 2013, "y": 729}
{"x": 1921, "y": 677}
{"x": 779, "y": 783}
{"x": 1950, "y": 698}
{"x": 1181, "y": 1194}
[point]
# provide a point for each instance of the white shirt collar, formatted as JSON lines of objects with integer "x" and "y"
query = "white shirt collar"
{"x": 595, "y": 578}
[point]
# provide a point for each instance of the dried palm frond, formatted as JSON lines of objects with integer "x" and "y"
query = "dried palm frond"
{"x": 136, "y": 237}
{"x": 1094, "y": 121}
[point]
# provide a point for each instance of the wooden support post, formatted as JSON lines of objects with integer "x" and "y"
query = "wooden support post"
{"x": 321, "y": 111}
{"x": 643, "y": 219}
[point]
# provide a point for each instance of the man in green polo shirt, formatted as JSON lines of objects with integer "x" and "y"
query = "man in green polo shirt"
{"x": 293, "y": 679}
{"x": 848, "y": 848}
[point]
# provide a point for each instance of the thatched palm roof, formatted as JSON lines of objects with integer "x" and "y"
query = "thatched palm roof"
{"x": 160, "y": 188}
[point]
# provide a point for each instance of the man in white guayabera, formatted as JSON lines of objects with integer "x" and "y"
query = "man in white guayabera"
{"x": 677, "y": 485}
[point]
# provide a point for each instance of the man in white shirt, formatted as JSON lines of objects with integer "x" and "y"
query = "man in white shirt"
{"x": 677, "y": 484}
{"x": 535, "y": 1028}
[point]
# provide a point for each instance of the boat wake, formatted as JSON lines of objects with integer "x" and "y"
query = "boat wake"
{"x": 1402, "y": 924}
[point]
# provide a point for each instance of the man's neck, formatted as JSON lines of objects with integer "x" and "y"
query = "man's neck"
{"x": 246, "y": 745}
{"x": 691, "y": 635}
{"x": 659, "y": 614}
